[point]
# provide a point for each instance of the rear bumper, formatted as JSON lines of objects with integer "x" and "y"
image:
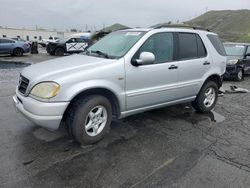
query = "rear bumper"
{"x": 47, "y": 115}
{"x": 27, "y": 50}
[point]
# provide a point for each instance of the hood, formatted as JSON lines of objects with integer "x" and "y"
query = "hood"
{"x": 48, "y": 70}
{"x": 234, "y": 57}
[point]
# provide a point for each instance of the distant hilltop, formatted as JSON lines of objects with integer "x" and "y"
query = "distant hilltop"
{"x": 231, "y": 25}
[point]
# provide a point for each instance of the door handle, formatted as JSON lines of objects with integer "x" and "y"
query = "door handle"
{"x": 173, "y": 67}
{"x": 206, "y": 63}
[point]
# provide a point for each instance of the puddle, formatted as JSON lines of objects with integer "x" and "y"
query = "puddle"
{"x": 215, "y": 117}
{"x": 13, "y": 64}
{"x": 48, "y": 136}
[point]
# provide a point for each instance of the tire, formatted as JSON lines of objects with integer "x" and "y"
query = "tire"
{"x": 59, "y": 52}
{"x": 208, "y": 92}
{"x": 18, "y": 52}
{"x": 239, "y": 74}
{"x": 81, "y": 127}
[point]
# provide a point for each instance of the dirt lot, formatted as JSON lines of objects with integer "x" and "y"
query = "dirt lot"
{"x": 169, "y": 147}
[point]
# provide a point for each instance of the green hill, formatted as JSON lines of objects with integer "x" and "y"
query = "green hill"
{"x": 115, "y": 27}
{"x": 231, "y": 25}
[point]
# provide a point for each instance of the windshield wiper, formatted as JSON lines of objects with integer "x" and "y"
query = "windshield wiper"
{"x": 101, "y": 53}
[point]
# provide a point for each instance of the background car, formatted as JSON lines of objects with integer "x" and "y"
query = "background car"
{"x": 71, "y": 45}
{"x": 13, "y": 47}
{"x": 44, "y": 42}
{"x": 238, "y": 63}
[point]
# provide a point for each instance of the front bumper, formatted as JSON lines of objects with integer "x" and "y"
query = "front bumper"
{"x": 230, "y": 71}
{"x": 44, "y": 114}
{"x": 50, "y": 48}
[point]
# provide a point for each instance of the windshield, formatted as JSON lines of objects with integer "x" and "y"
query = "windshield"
{"x": 234, "y": 49}
{"x": 116, "y": 44}
{"x": 62, "y": 40}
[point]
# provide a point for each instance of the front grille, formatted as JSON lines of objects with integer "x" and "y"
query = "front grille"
{"x": 23, "y": 84}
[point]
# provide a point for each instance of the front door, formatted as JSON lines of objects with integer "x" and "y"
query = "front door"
{"x": 76, "y": 45}
{"x": 149, "y": 85}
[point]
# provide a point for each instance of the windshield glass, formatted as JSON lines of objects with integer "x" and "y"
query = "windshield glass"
{"x": 116, "y": 44}
{"x": 62, "y": 40}
{"x": 234, "y": 49}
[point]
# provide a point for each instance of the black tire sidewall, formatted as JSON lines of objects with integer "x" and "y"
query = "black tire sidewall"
{"x": 198, "y": 104}
{"x": 237, "y": 73}
{"x": 80, "y": 113}
{"x": 18, "y": 52}
{"x": 59, "y": 52}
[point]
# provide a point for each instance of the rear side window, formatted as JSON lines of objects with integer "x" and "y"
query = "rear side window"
{"x": 187, "y": 46}
{"x": 217, "y": 44}
{"x": 191, "y": 46}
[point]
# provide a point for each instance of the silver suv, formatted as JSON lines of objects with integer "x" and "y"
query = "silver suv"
{"x": 126, "y": 72}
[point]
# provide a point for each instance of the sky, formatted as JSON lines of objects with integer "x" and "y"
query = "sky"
{"x": 95, "y": 14}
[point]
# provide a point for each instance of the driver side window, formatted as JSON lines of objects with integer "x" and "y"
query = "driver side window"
{"x": 161, "y": 45}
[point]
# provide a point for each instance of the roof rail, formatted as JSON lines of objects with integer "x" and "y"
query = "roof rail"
{"x": 179, "y": 26}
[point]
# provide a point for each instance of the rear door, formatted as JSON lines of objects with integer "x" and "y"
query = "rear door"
{"x": 194, "y": 62}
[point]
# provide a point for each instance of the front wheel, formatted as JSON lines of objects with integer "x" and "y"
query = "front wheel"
{"x": 59, "y": 52}
{"x": 207, "y": 97}
{"x": 90, "y": 118}
{"x": 239, "y": 74}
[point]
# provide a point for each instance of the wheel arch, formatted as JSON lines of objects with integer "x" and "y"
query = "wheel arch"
{"x": 116, "y": 110}
{"x": 15, "y": 48}
{"x": 59, "y": 47}
{"x": 215, "y": 78}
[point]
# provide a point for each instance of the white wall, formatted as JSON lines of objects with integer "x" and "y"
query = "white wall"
{"x": 23, "y": 33}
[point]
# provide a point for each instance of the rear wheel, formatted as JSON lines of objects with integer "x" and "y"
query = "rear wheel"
{"x": 59, "y": 52}
{"x": 239, "y": 75}
{"x": 207, "y": 97}
{"x": 18, "y": 52}
{"x": 89, "y": 119}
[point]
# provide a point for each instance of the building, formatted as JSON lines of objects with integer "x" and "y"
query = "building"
{"x": 32, "y": 34}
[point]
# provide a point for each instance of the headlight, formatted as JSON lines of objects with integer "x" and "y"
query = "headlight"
{"x": 232, "y": 61}
{"x": 45, "y": 90}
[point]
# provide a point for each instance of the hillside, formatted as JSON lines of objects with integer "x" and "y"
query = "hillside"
{"x": 231, "y": 25}
{"x": 115, "y": 27}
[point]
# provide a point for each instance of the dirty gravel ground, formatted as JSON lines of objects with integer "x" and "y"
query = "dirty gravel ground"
{"x": 169, "y": 147}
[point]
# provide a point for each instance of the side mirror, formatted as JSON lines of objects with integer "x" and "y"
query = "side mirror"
{"x": 145, "y": 58}
{"x": 248, "y": 54}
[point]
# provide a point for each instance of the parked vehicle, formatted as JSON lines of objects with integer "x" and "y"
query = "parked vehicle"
{"x": 45, "y": 42}
{"x": 124, "y": 73}
{"x": 238, "y": 63}
{"x": 22, "y": 40}
{"x": 13, "y": 47}
{"x": 71, "y": 45}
